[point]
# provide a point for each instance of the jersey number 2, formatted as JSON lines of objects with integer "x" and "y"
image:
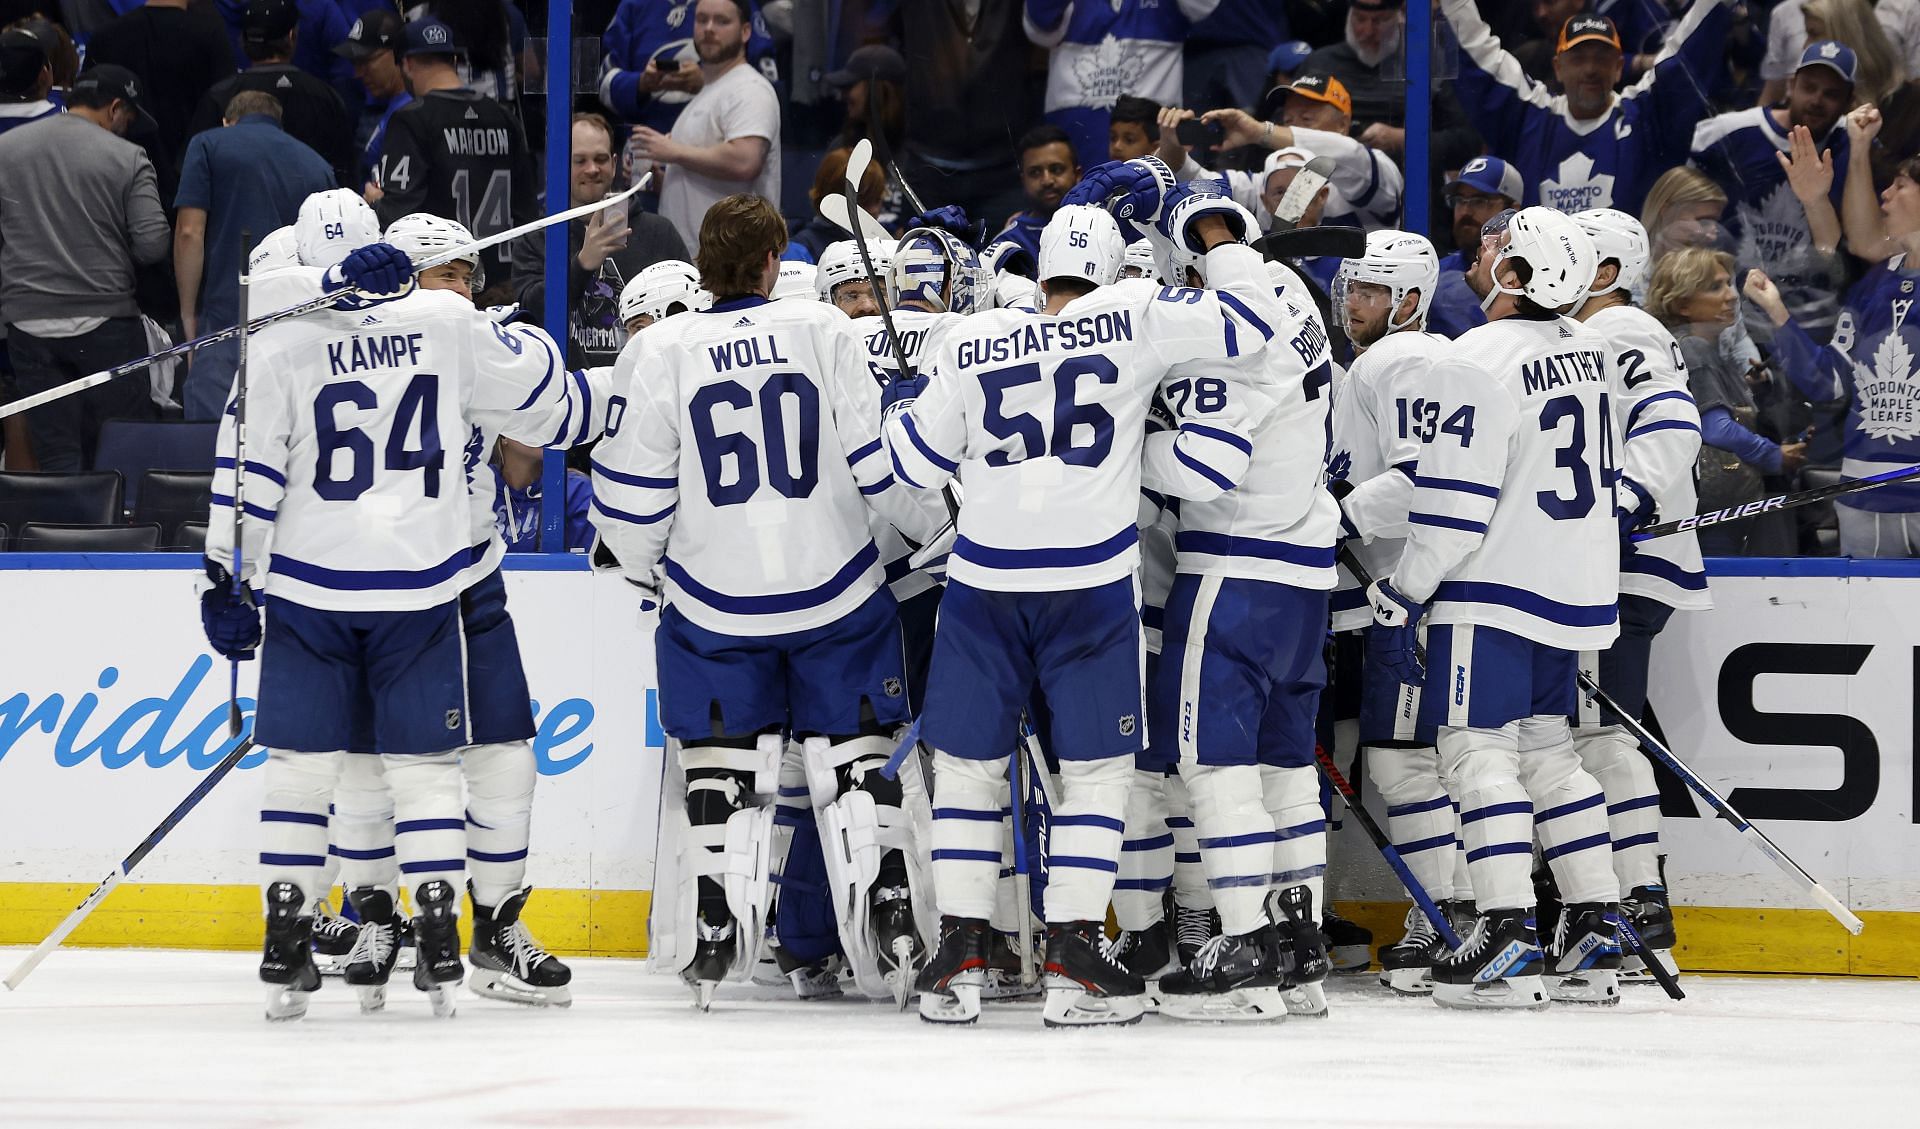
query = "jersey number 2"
{"x": 419, "y": 401}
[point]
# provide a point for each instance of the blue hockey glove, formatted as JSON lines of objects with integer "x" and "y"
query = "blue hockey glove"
{"x": 229, "y": 616}
{"x": 951, "y": 219}
{"x": 1399, "y": 621}
{"x": 901, "y": 393}
{"x": 380, "y": 272}
{"x": 1134, "y": 190}
{"x": 1189, "y": 202}
{"x": 1633, "y": 506}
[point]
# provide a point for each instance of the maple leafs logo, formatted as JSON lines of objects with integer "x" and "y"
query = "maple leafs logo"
{"x": 1108, "y": 70}
{"x": 1889, "y": 395}
{"x": 1578, "y": 187}
{"x": 1340, "y": 466}
{"x": 1775, "y": 234}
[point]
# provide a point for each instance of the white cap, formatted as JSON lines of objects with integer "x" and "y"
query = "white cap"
{"x": 1290, "y": 157}
{"x": 279, "y": 250}
{"x": 795, "y": 280}
{"x": 657, "y": 289}
{"x": 841, "y": 262}
{"x": 1617, "y": 236}
{"x": 1081, "y": 241}
{"x": 423, "y": 235}
{"x": 1559, "y": 255}
{"x": 331, "y": 224}
{"x": 1398, "y": 260}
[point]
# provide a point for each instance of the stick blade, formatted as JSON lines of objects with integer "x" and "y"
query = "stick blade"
{"x": 1313, "y": 243}
{"x": 834, "y": 208}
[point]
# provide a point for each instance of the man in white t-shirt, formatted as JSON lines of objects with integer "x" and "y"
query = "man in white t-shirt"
{"x": 727, "y": 140}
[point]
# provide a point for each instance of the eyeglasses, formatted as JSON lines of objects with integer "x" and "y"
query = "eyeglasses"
{"x": 1455, "y": 199}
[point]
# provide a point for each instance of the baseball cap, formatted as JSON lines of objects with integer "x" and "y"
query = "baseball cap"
{"x": 1587, "y": 28}
{"x": 1288, "y": 56}
{"x": 428, "y": 36}
{"x": 268, "y": 20}
{"x": 22, "y": 58}
{"x": 1491, "y": 175}
{"x": 377, "y": 30}
{"x": 1323, "y": 88}
{"x": 1284, "y": 158}
{"x": 1828, "y": 53}
{"x": 114, "y": 82}
{"x": 874, "y": 61}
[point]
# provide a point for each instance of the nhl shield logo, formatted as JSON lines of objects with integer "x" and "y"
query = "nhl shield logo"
{"x": 1128, "y": 723}
{"x": 892, "y": 687}
{"x": 453, "y": 719}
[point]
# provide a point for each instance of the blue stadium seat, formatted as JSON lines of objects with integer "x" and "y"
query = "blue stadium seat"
{"x": 134, "y": 447}
{"x": 53, "y": 537}
{"x": 70, "y": 499}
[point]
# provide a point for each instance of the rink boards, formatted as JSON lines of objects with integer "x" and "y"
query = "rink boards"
{"x": 1795, "y": 696}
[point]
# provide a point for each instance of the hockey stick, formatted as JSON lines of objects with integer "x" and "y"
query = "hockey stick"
{"x": 1022, "y": 866}
{"x": 1307, "y": 183}
{"x": 1793, "y": 870}
{"x": 884, "y": 153}
{"x": 1312, "y": 243}
{"x": 1386, "y": 848}
{"x": 239, "y": 486}
{"x": 1775, "y": 504}
{"x": 100, "y": 892}
{"x": 1658, "y": 970}
{"x": 306, "y": 307}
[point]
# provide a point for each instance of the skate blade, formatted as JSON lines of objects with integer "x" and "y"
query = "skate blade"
{"x": 1520, "y": 993}
{"x": 440, "y": 994}
{"x": 811, "y": 988}
{"x": 900, "y": 978}
{"x": 1348, "y": 959}
{"x": 703, "y": 993}
{"x": 1306, "y": 1001}
{"x": 1594, "y": 987}
{"x": 285, "y": 1003}
{"x": 962, "y": 1007}
{"x": 1408, "y": 981}
{"x": 1071, "y": 1005}
{"x": 373, "y": 997}
{"x": 1633, "y": 970}
{"x": 510, "y": 988}
{"x": 1242, "y": 1005}
{"x": 1008, "y": 986}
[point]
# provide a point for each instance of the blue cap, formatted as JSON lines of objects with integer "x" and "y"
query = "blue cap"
{"x": 1491, "y": 175}
{"x": 1288, "y": 56}
{"x": 1829, "y": 53}
{"x": 428, "y": 36}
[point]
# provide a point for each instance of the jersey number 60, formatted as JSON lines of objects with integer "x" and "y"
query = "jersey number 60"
{"x": 792, "y": 468}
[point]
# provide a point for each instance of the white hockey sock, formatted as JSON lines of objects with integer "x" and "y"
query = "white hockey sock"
{"x": 293, "y": 818}
{"x": 1084, "y": 852}
{"x": 363, "y": 826}
{"x": 1462, "y": 880}
{"x": 1570, "y": 812}
{"x": 500, "y": 781}
{"x": 1146, "y": 855}
{"x": 1189, "y": 878}
{"x": 1292, "y": 797}
{"x": 1421, "y": 819}
{"x": 1613, "y": 756}
{"x": 1237, "y": 840}
{"x": 967, "y": 834}
{"x": 429, "y": 822}
{"x": 1496, "y": 817}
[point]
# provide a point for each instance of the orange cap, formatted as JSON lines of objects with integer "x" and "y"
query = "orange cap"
{"x": 1323, "y": 88}
{"x": 1587, "y": 28}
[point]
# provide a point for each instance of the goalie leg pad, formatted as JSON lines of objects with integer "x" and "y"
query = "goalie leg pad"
{"x": 1570, "y": 811}
{"x": 1420, "y": 816}
{"x": 362, "y": 826}
{"x": 293, "y": 818}
{"x": 1237, "y": 839}
{"x": 1292, "y": 797}
{"x": 1146, "y": 855}
{"x": 500, "y": 781}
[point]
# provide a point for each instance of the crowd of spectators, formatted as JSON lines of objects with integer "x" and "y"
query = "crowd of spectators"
{"x": 143, "y": 143}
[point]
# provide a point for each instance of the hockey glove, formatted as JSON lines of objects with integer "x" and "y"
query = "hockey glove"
{"x": 901, "y": 393}
{"x": 229, "y": 615}
{"x": 1633, "y": 506}
{"x": 378, "y": 272}
{"x": 1399, "y": 621}
{"x": 1194, "y": 200}
{"x": 1129, "y": 190}
{"x": 951, "y": 219}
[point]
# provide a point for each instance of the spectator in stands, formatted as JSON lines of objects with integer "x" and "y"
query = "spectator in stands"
{"x": 608, "y": 248}
{"x": 518, "y": 495}
{"x": 1691, "y": 292}
{"x": 178, "y": 53}
{"x": 1284, "y": 62}
{"x": 322, "y": 25}
{"x": 727, "y": 138}
{"x": 1535, "y": 50}
{"x": 62, "y": 55}
{"x": 651, "y": 69}
{"x": 1047, "y": 170}
{"x": 811, "y": 238}
{"x": 493, "y": 33}
{"x": 78, "y": 211}
{"x": 26, "y": 78}
{"x": 1589, "y": 147}
{"x": 312, "y": 110}
{"x": 1100, "y": 51}
{"x": 239, "y": 182}
{"x": 373, "y": 47}
{"x": 1482, "y": 189}
{"x": 873, "y": 86}
{"x": 1885, "y": 38}
{"x": 1133, "y": 128}
{"x": 1370, "y": 61}
{"x": 1228, "y": 53}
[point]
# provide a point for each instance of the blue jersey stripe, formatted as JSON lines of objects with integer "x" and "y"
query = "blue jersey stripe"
{"x": 1661, "y": 569}
{"x": 553, "y": 365}
{"x": 987, "y": 556}
{"x": 1663, "y": 425}
{"x": 1442, "y": 521}
{"x": 1458, "y": 485}
{"x": 261, "y": 469}
{"x": 775, "y": 603}
{"x": 1633, "y": 416}
{"x": 1203, "y": 470}
{"x": 1241, "y": 308}
{"x": 926, "y": 452}
{"x": 878, "y": 487}
{"x": 625, "y": 479}
{"x": 1532, "y": 603}
{"x": 632, "y": 518}
{"x": 1225, "y": 545}
{"x": 1229, "y": 438}
{"x": 392, "y": 579}
{"x": 863, "y": 452}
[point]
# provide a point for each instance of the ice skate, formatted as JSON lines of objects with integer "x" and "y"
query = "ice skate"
{"x": 810, "y": 980}
{"x": 1233, "y": 980}
{"x": 896, "y": 941}
{"x": 508, "y": 964}
{"x": 436, "y": 934}
{"x": 1086, "y": 987}
{"x": 1646, "y": 909}
{"x": 1292, "y": 911}
{"x": 286, "y": 960}
{"x": 1147, "y": 953}
{"x": 1498, "y": 965}
{"x": 376, "y": 947}
{"x": 1349, "y": 944}
{"x": 1192, "y": 928}
{"x": 1584, "y": 965}
{"x": 1004, "y": 973}
{"x": 950, "y": 982}
{"x": 1406, "y": 966}
{"x": 714, "y": 947}
{"x": 333, "y": 937}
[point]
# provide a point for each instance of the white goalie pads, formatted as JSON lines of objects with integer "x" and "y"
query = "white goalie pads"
{"x": 744, "y": 864}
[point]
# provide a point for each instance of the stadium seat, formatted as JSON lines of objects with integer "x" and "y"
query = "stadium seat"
{"x": 171, "y": 498}
{"x": 72, "y": 499}
{"x": 191, "y": 537}
{"x": 134, "y": 447}
{"x": 55, "y": 537}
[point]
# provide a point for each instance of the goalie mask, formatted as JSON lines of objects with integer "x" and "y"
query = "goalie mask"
{"x": 933, "y": 267}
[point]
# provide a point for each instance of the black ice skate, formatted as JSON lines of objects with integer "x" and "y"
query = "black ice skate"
{"x": 333, "y": 937}
{"x": 1498, "y": 965}
{"x": 1086, "y": 987}
{"x": 1192, "y": 928}
{"x": 376, "y": 947}
{"x": 950, "y": 983}
{"x": 815, "y": 980}
{"x": 896, "y": 940}
{"x": 508, "y": 964}
{"x": 714, "y": 945}
{"x": 1349, "y": 944}
{"x": 1147, "y": 953}
{"x": 1406, "y": 966}
{"x": 286, "y": 961}
{"x": 1584, "y": 966}
{"x": 1647, "y": 910}
{"x": 1292, "y": 911}
{"x": 1233, "y": 980}
{"x": 436, "y": 935}
{"x": 1006, "y": 978}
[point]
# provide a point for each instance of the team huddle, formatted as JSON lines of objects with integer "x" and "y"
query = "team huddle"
{"x": 962, "y": 582}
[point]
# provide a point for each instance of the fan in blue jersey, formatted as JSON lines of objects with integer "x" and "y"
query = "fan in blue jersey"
{"x": 1484, "y": 188}
{"x": 1100, "y": 51}
{"x": 650, "y": 70}
{"x": 1589, "y": 147}
{"x": 1745, "y": 152}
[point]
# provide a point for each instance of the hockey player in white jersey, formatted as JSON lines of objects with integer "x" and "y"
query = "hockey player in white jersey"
{"x": 1659, "y": 428}
{"x": 661, "y": 290}
{"x": 740, "y": 464}
{"x": 1041, "y": 417}
{"x": 1381, "y": 411}
{"x": 371, "y": 535}
{"x": 841, "y": 277}
{"x": 1512, "y": 560}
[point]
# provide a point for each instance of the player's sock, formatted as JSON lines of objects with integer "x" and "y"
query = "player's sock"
{"x": 363, "y": 836}
{"x": 294, "y": 828}
{"x": 1239, "y": 848}
{"x": 1146, "y": 856}
{"x": 1496, "y": 814}
{"x": 1083, "y": 854}
{"x": 499, "y": 816}
{"x": 1570, "y": 812}
{"x": 429, "y": 820}
{"x": 1300, "y": 854}
{"x": 967, "y": 830}
{"x": 1420, "y": 816}
{"x": 1613, "y": 757}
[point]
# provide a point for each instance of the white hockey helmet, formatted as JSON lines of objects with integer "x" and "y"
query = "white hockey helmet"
{"x": 1015, "y": 292}
{"x": 668, "y": 287}
{"x": 278, "y": 251}
{"x": 1141, "y": 262}
{"x": 1398, "y": 260}
{"x": 331, "y": 224}
{"x": 841, "y": 262}
{"x": 1560, "y": 258}
{"x": 795, "y": 280}
{"x": 931, "y": 265}
{"x": 423, "y": 235}
{"x": 1617, "y": 236}
{"x": 1081, "y": 241}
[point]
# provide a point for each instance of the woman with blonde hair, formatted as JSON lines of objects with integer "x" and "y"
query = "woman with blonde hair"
{"x": 1683, "y": 209}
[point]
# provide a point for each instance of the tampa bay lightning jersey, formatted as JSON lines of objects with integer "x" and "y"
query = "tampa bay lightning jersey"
{"x": 1608, "y": 162}
{"x": 1874, "y": 362}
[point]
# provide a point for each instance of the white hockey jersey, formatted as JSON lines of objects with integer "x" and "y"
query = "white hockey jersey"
{"x": 1364, "y": 190}
{"x": 1041, "y": 417}
{"x": 1659, "y": 428}
{"x": 347, "y": 464}
{"x": 1512, "y": 521}
{"x": 920, "y": 335}
{"x": 744, "y": 446}
{"x": 1379, "y": 412}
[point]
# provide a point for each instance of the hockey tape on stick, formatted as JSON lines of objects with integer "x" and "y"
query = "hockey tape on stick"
{"x": 1775, "y": 504}
{"x": 1307, "y": 183}
{"x": 218, "y": 773}
{"x": 321, "y": 302}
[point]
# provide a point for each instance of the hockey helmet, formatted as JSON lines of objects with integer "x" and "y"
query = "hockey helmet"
{"x": 1140, "y": 262}
{"x": 1617, "y": 236}
{"x": 932, "y": 265}
{"x": 795, "y": 280}
{"x": 1081, "y": 241}
{"x": 841, "y": 262}
{"x": 423, "y": 236}
{"x": 331, "y": 224}
{"x": 1398, "y": 260}
{"x": 666, "y": 288}
{"x": 1559, "y": 255}
{"x": 278, "y": 251}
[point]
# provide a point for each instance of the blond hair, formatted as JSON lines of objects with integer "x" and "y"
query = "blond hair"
{"x": 1676, "y": 188}
{"x": 1681, "y": 274}
{"x": 1852, "y": 22}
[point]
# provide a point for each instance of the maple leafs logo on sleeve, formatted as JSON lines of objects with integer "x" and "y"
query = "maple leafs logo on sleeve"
{"x": 1889, "y": 397}
{"x": 1340, "y": 466}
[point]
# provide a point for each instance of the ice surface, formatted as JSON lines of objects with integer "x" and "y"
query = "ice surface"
{"x": 114, "y": 1037}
